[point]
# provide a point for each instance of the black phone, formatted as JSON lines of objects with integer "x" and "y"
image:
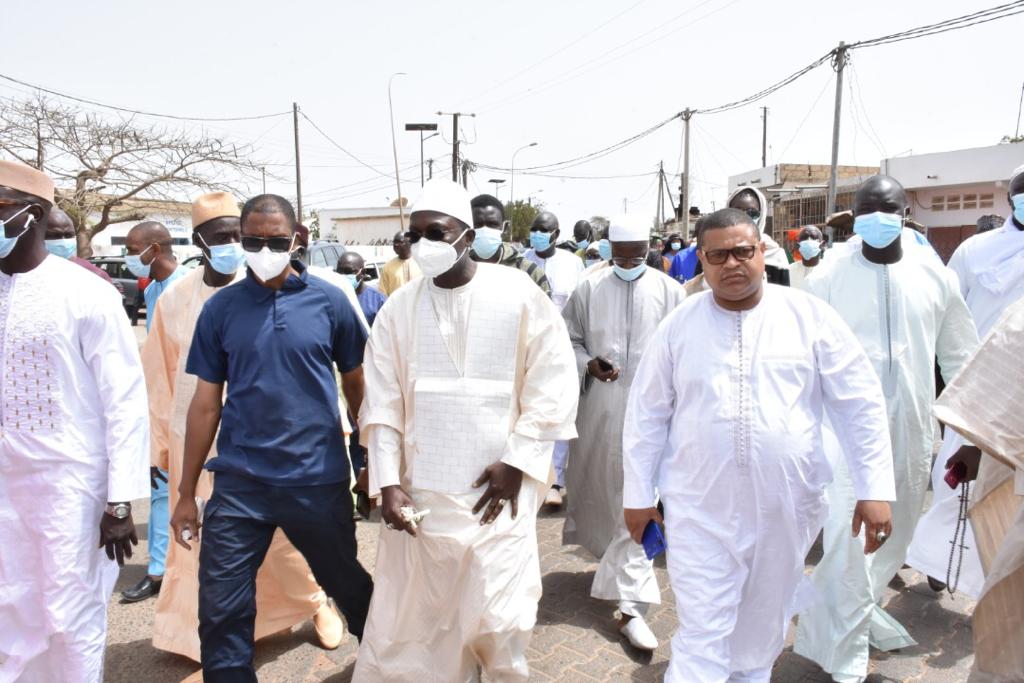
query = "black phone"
{"x": 604, "y": 365}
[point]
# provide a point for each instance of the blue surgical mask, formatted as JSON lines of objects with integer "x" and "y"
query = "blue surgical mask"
{"x": 353, "y": 279}
{"x": 540, "y": 241}
{"x": 135, "y": 264}
{"x": 604, "y": 247}
{"x": 676, "y": 246}
{"x": 593, "y": 262}
{"x": 583, "y": 244}
{"x": 1018, "y": 207}
{"x": 878, "y": 229}
{"x": 629, "y": 274}
{"x": 7, "y": 244}
{"x": 486, "y": 242}
{"x": 810, "y": 248}
{"x": 226, "y": 259}
{"x": 63, "y": 248}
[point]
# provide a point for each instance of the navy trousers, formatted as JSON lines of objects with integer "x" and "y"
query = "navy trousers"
{"x": 240, "y": 520}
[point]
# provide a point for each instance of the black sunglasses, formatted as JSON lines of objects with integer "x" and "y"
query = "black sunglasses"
{"x": 717, "y": 257}
{"x": 277, "y": 244}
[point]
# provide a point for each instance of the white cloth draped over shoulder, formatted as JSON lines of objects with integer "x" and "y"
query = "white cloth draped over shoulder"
{"x": 724, "y": 422}
{"x": 73, "y": 436}
{"x": 457, "y": 380}
{"x": 564, "y": 271}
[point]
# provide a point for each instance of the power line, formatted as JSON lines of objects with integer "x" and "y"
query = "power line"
{"x": 973, "y": 19}
{"x": 348, "y": 153}
{"x": 127, "y": 110}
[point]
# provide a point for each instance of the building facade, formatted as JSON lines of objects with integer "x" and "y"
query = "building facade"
{"x": 373, "y": 226}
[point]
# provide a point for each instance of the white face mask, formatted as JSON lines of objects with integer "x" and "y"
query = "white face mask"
{"x": 436, "y": 258}
{"x": 266, "y": 264}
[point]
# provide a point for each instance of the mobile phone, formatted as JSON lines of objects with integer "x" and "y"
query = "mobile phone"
{"x": 653, "y": 540}
{"x": 955, "y": 475}
{"x": 604, "y": 365}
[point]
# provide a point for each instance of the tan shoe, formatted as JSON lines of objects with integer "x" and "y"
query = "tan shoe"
{"x": 553, "y": 499}
{"x": 329, "y": 629}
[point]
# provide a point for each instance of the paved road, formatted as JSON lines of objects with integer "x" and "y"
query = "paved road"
{"x": 575, "y": 639}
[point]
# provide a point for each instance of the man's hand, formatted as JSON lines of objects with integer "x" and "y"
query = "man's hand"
{"x": 156, "y": 475}
{"x": 505, "y": 482}
{"x": 118, "y": 536}
{"x": 637, "y": 520}
{"x": 599, "y": 373}
{"x": 185, "y": 517}
{"x": 970, "y": 456}
{"x": 875, "y": 516}
{"x": 393, "y": 499}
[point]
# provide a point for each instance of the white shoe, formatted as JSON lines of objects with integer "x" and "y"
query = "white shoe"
{"x": 639, "y": 634}
{"x": 553, "y": 498}
{"x": 329, "y": 629}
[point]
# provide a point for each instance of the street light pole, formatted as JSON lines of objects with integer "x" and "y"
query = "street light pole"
{"x": 394, "y": 151}
{"x": 497, "y": 184}
{"x": 422, "y": 127}
{"x": 512, "y": 175}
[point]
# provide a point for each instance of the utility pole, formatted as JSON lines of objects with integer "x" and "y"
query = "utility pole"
{"x": 838, "y": 63}
{"x": 430, "y": 169}
{"x": 764, "y": 137}
{"x": 465, "y": 173}
{"x": 455, "y": 140}
{"x": 298, "y": 164}
{"x": 661, "y": 196}
{"x": 625, "y": 205}
{"x": 1016, "y": 133}
{"x": 263, "y": 171}
{"x": 684, "y": 184}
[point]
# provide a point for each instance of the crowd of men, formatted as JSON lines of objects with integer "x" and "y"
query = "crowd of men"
{"x": 739, "y": 398}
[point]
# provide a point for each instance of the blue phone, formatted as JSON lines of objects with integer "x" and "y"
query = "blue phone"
{"x": 653, "y": 540}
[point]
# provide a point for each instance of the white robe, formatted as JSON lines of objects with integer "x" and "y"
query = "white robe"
{"x": 905, "y": 315}
{"x": 990, "y": 271}
{"x": 725, "y": 423}
{"x": 457, "y": 380}
{"x": 614, "y": 319}
{"x": 73, "y": 435}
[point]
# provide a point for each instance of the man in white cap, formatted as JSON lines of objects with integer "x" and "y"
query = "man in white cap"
{"x": 469, "y": 380}
{"x": 73, "y": 445}
{"x": 286, "y": 593}
{"x": 611, "y": 317}
{"x": 990, "y": 272}
{"x": 725, "y": 425}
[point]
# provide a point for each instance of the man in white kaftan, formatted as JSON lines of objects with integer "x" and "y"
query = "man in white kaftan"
{"x": 611, "y": 317}
{"x": 725, "y": 425}
{"x": 906, "y": 310}
{"x": 470, "y": 377}
{"x": 990, "y": 270}
{"x": 73, "y": 446}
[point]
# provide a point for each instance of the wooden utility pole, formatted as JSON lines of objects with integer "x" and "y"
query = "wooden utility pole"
{"x": 430, "y": 169}
{"x": 465, "y": 173}
{"x": 764, "y": 137}
{"x": 838, "y": 63}
{"x": 661, "y": 195}
{"x": 684, "y": 184}
{"x": 263, "y": 172}
{"x": 455, "y": 140}
{"x": 298, "y": 164}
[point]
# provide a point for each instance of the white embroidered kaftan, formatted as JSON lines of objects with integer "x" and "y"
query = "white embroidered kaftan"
{"x": 457, "y": 380}
{"x": 73, "y": 435}
{"x": 724, "y": 421}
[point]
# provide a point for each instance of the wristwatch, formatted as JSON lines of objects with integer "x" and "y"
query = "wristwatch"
{"x": 119, "y": 510}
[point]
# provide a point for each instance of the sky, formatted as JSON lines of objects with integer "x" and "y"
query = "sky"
{"x": 572, "y": 76}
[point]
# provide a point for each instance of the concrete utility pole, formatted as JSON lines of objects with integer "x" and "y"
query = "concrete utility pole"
{"x": 430, "y": 169}
{"x": 838, "y": 63}
{"x": 455, "y": 140}
{"x": 661, "y": 196}
{"x": 263, "y": 171}
{"x": 298, "y": 164}
{"x": 764, "y": 137}
{"x": 465, "y": 173}
{"x": 684, "y": 184}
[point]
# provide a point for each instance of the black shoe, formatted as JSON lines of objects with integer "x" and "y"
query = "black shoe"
{"x": 936, "y": 585}
{"x": 363, "y": 504}
{"x": 146, "y": 588}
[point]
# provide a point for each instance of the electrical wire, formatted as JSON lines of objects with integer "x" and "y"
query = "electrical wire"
{"x": 973, "y": 19}
{"x": 813, "y": 107}
{"x": 347, "y": 153}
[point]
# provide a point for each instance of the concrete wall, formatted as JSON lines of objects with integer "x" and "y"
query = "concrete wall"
{"x": 110, "y": 242}
{"x": 959, "y": 167}
{"x": 957, "y": 205}
{"x": 366, "y": 230}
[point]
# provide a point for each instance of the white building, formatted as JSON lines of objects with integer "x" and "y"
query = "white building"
{"x": 372, "y": 226}
{"x": 175, "y": 216}
{"x": 949, "y": 191}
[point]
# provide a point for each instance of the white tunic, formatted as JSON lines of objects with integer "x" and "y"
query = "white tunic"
{"x": 724, "y": 421}
{"x": 614, "y": 319}
{"x": 905, "y": 315}
{"x": 457, "y": 380}
{"x": 73, "y": 435}
{"x": 564, "y": 271}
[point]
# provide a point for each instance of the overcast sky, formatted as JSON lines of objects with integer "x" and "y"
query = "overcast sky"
{"x": 572, "y": 76}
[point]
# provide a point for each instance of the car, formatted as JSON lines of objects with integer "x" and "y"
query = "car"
{"x": 323, "y": 253}
{"x": 192, "y": 262}
{"x": 126, "y": 283}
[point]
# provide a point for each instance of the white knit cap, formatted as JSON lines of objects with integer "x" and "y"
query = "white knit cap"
{"x": 447, "y": 197}
{"x": 1017, "y": 171}
{"x": 629, "y": 227}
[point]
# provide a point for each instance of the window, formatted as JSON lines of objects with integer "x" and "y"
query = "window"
{"x": 317, "y": 258}
{"x": 117, "y": 241}
{"x": 953, "y": 202}
{"x": 938, "y": 202}
{"x": 970, "y": 201}
{"x": 985, "y": 201}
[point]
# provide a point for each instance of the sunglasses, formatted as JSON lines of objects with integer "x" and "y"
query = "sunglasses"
{"x": 276, "y": 244}
{"x": 717, "y": 257}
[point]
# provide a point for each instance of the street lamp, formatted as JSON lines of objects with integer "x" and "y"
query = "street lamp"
{"x": 422, "y": 127}
{"x": 394, "y": 150}
{"x": 497, "y": 183}
{"x": 512, "y": 175}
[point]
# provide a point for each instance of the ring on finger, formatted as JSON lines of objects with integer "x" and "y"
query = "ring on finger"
{"x": 881, "y": 536}
{"x": 389, "y": 525}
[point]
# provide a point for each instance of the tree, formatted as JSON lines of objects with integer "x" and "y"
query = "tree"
{"x": 100, "y": 165}
{"x": 520, "y": 215}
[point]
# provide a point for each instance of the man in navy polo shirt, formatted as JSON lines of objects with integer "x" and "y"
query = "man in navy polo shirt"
{"x": 273, "y": 339}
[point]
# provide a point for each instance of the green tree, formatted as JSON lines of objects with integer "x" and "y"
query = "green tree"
{"x": 520, "y": 215}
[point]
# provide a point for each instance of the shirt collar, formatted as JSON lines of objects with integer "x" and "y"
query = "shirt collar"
{"x": 261, "y": 293}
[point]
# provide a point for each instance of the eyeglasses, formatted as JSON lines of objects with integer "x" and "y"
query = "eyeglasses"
{"x": 717, "y": 257}
{"x": 628, "y": 262}
{"x": 277, "y": 244}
